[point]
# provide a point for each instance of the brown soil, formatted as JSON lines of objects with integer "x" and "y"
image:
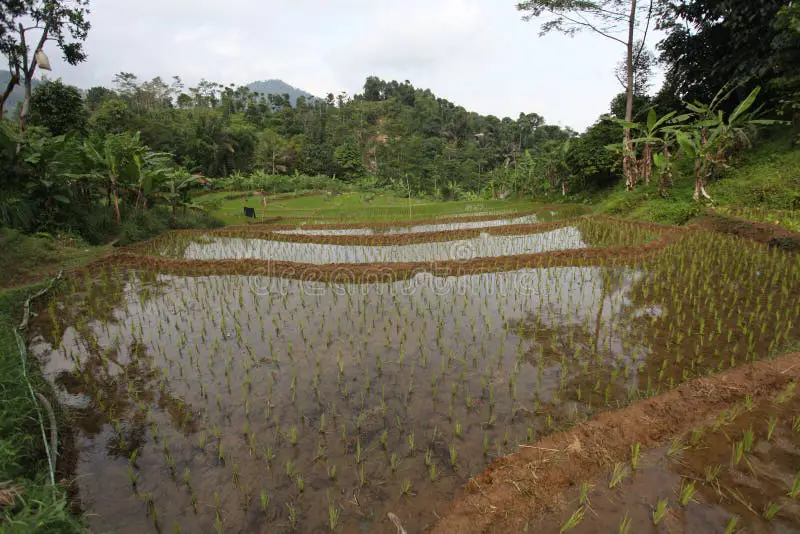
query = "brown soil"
{"x": 401, "y": 239}
{"x": 771, "y": 234}
{"x": 516, "y": 489}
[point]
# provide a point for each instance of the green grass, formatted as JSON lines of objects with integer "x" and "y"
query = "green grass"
{"x": 30, "y": 258}
{"x": 359, "y": 207}
{"x": 23, "y": 463}
{"x": 764, "y": 186}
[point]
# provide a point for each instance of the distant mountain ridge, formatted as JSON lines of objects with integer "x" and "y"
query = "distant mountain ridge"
{"x": 279, "y": 87}
{"x": 266, "y": 87}
{"x": 18, "y": 92}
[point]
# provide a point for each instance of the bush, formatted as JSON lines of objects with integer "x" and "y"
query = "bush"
{"x": 143, "y": 225}
{"x": 196, "y": 219}
{"x": 98, "y": 226}
{"x": 23, "y": 463}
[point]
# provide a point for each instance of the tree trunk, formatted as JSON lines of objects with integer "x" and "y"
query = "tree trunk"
{"x": 28, "y": 70}
{"x": 13, "y": 81}
{"x": 700, "y": 173}
{"x": 665, "y": 180}
{"x": 629, "y": 157}
{"x": 646, "y": 164}
{"x": 115, "y": 200}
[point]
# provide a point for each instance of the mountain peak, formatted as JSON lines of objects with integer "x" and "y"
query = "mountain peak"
{"x": 278, "y": 87}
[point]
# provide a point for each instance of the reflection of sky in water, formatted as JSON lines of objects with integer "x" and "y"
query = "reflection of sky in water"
{"x": 321, "y": 253}
{"x": 527, "y": 219}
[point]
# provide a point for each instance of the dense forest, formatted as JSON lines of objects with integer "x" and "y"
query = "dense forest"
{"x": 138, "y": 144}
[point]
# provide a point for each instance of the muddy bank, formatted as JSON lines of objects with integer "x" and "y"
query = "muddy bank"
{"x": 512, "y": 492}
{"x": 365, "y": 273}
{"x": 403, "y": 239}
{"x": 770, "y": 234}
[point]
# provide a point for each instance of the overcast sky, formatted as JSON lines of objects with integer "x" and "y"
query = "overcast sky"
{"x": 476, "y": 53}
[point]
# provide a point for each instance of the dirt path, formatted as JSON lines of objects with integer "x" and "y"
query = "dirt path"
{"x": 523, "y": 485}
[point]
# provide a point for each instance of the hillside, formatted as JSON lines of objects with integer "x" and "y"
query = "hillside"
{"x": 762, "y": 187}
{"x": 279, "y": 87}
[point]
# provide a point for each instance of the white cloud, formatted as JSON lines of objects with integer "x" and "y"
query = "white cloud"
{"x": 476, "y": 53}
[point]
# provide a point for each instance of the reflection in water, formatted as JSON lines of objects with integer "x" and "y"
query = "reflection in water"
{"x": 231, "y": 392}
{"x": 484, "y": 246}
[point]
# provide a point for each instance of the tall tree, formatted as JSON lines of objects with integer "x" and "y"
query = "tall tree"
{"x": 37, "y": 22}
{"x": 59, "y": 108}
{"x": 10, "y": 11}
{"x": 617, "y": 20}
{"x": 747, "y": 43}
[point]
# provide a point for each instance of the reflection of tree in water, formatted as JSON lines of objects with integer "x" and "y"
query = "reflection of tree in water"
{"x": 710, "y": 310}
{"x": 117, "y": 388}
{"x": 585, "y": 350}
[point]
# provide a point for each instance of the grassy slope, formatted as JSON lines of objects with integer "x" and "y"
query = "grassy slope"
{"x": 27, "y": 259}
{"x": 764, "y": 186}
{"x": 23, "y": 463}
{"x": 357, "y": 206}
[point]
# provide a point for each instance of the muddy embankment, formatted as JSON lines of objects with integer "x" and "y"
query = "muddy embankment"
{"x": 513, "y": 491}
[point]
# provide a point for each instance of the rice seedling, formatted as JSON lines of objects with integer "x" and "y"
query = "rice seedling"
{"x": 675, "y": 447}
{"x": 433, "y": 472}
{"x": 795, "y": 490}
{"x": 635, "y": 456}
{"x": 737, "y": 451}
{"x": 264, "y": 500}
{"x": 687, "y": 491}
{"x": 660, "y": 511}
{"x": 292, "y": 511}
{"x": 405, "y": 487}
{"x": 574, "y": 520}
{"x": 583, "y": 497}
{"x": 625, "y": 525}
{"x": 333, "y": 516}
{"x": 771, "y": 424}
{"x": 618, "y": 475}
{"x": 730, "y": 528}
{"x": 770, "y": 511}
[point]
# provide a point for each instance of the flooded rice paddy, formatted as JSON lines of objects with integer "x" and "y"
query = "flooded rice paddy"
{"x": 258, "y": 404}
{"x": 483, "y": 246}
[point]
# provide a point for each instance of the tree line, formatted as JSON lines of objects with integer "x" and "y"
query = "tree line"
{"x": 120, "y": 150}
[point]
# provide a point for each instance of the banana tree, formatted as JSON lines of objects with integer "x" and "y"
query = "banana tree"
{"x": 554, "y": 157}
{"x": 177, "y": 188}
{"x": 713, "y": 138}
{"x": 148, "y": 170}
{"x": 656, "y": 136}
{"x": 107, "y": 167}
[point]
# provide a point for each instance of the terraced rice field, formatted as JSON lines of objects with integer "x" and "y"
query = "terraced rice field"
{"x": 350, "y": 377}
